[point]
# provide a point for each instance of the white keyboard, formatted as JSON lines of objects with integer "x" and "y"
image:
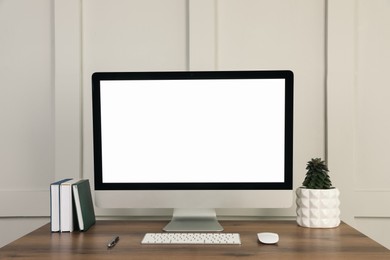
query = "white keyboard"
{"x": 192, "y": 238}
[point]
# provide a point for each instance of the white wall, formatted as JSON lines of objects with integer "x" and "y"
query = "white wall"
{"x": 358, "y": 112}
{"x": 49, "y": 49}
{"x": 238, "y": 36}
{"x": 26, "y": 115}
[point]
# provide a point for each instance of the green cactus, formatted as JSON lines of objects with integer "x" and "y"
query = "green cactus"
{"x": 317, "y": 175}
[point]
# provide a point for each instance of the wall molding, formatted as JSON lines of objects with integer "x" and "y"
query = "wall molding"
{"x": 68, "y": 88}
{"x": 372, "y": 204}
{"x": 26, "y": 203}
{"x": 202, "y": 35}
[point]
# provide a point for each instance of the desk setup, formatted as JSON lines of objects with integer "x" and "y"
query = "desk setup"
{"x": 295, "y": 242}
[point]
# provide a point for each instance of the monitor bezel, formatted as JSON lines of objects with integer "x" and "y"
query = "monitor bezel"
{"x": 287, "y": 75}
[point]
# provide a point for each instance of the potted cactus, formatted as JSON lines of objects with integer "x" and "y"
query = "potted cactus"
{"x": 317, "y": 200}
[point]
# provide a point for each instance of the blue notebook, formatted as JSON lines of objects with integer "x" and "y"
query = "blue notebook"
{"x": 83, "y": 203}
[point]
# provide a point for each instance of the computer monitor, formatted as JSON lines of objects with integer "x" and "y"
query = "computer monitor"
{"x": 193, "y": 141}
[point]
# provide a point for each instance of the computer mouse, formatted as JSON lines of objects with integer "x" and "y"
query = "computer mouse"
{"x": 268, "y": 238}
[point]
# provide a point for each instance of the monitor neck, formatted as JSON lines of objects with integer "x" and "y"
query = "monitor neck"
{"x": 193, "y": 220}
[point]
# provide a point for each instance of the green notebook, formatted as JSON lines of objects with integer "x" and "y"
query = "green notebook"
{"x": 84, "y": 205}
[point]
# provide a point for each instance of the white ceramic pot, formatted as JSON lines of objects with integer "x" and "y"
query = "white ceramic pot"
{"x": 318, "y": 208}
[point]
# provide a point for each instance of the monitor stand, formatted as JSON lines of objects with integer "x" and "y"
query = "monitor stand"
{"x": 193, "y": 220}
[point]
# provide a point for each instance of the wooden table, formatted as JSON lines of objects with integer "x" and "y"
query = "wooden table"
{"x": 295, "y": 242}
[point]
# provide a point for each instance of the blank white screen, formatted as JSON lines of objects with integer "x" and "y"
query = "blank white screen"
{"x": 193, "y": 131}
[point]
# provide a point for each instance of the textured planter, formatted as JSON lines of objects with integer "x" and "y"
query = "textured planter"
{"x": 318, "y": 208}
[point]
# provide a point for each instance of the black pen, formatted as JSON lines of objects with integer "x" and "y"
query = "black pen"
{"x": 113, "y": 242}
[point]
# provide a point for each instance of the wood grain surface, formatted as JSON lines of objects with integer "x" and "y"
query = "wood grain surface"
{"x": 295, "y": 242}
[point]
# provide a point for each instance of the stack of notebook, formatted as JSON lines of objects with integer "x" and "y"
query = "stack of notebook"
{"x": 71, "y": 206}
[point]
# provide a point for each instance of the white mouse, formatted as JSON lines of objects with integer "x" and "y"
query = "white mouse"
{"x": 268, "y": 238}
